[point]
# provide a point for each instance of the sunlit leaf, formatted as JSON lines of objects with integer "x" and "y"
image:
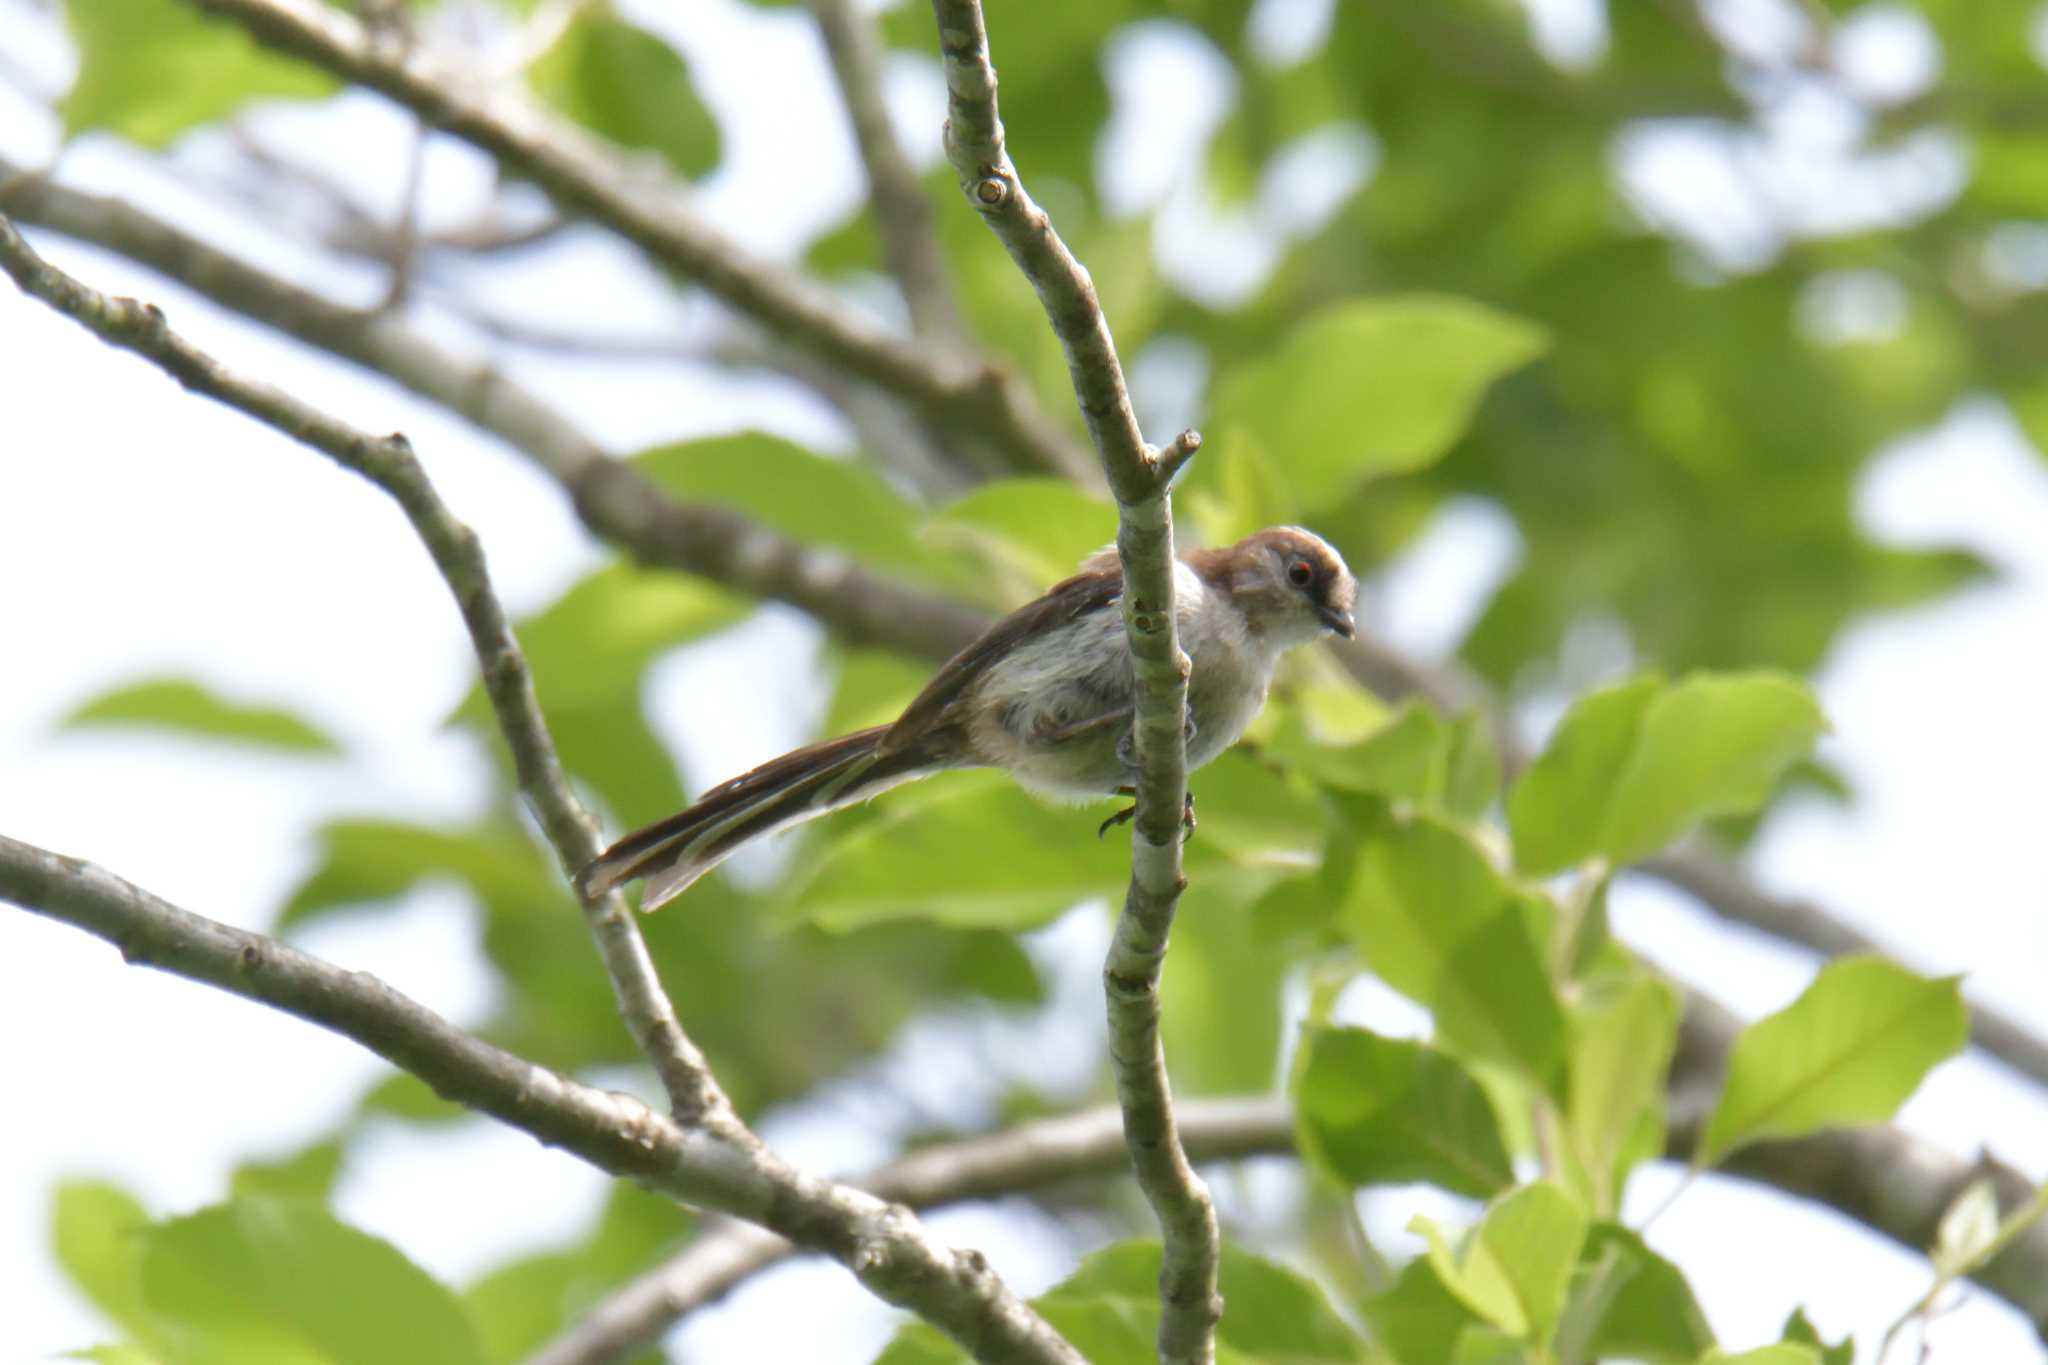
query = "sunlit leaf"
{"x": 282, "y": 1281}
{"x": 1030, "y": 532}
{"x": 1514, "y": 1269}
{"x": 1621, "y": 1044}
{"x": 151, "y": 70}
{"x": 1375, "y": 1110}
{"x": 1627, "y": 1302}
{"x": 1634, "y": 766}
{"x": 1435, "y": 920}
{"x": 1849, "y": 1050}
{"x": 629, "y": 86}
{"x": 1371, "y": 387}
{"x": 181, "y": 707}
{"x": 96, "y": 1231}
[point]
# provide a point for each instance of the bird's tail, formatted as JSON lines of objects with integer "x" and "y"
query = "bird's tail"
{"x": 673, "y": 853}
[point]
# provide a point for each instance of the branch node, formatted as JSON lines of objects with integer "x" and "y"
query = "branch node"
{"x": 992, "y": 191}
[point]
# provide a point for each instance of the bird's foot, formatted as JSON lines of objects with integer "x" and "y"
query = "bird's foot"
{"x": 1124, "y": 816}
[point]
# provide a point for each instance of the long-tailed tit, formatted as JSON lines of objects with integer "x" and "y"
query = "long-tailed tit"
{"x": 1046, "y": 693}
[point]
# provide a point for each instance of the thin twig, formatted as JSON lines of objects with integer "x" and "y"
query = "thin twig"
{"x": 1882, "y": 1177}
{"x": 903, "y": 218}
{"x": 1016, "y": 1160}
{"x": 388, "y": 462}
{"x": 649, "y": 208}
{"x": 884, "y": 1244}
{"x": 1139, "y": 475}
{"x": 615, "y": 500}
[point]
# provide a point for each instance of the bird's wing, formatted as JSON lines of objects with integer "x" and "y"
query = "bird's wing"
{"x": 1086, "y": 592}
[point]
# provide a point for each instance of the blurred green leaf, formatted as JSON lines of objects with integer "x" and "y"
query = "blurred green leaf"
{"x": 1780, "y": 1354}
{"x": 308, "y": 1173}
{"x": 841, "y": 503}
{"x": 1849, "y": 1050}
{"x": 152, "y": 70}
{"x": 588, "y": 652}
{"x": 1030, "y": 533}
{"x": 1375, "y": 1110}
{"x": 1514, "y": 1269}
{"x": 1628, "y": 1302}
{"x": 1417, "y": 1318}
{"x": 1632, "y": 767}
{"x": 1621, "y": 1045}
{"x": 970, "y": 849}
{"x": 629, "y": 86}
{"x": 113, "y": 1355}
{"x": 183, "y": 707}
{"x": 1436, "y": 922}
{"x": 1220, "y": 1006}
{"x": 1800, "y": 1331}
{"x": 96, "y": 1231}
{"x": 526, "y": 1302}
{"x": 364, "y": 862}
{"x": 1372, "y": 387}
{"x": 281, "y": 1281}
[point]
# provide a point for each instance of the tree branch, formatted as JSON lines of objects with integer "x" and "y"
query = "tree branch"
{"x": 1139, "y": 476}
{"x": 650, "y": 209}
{"x": 903, "y": 219}
{"x": 388, "y": 462}
{"x": 615, "y": 500}
{"x": 882, "y": 1243}
{"x": 1892, "y": 1183}
{"x": 1014, "y": 1161}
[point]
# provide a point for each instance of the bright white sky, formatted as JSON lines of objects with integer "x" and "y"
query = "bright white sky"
{"x": 143, "y": 533}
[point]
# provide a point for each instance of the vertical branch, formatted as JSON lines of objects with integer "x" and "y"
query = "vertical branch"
{"x": 389, "y": 463}
{"x": 1139, "y": 476}
{"x": 910, "y": 243}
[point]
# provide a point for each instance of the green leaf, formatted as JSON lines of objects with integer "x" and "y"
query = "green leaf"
{"x": 1372, "y": 387}
{"x": 1628, "y": 1302}
{"x": 309, "y": 1173}
{"x": 1621, "y": 1045}
{"x": 187, "y": 708}
{"x": 1028, "y": 532}
{"x": 625, "y": 84}
{"x": 114, "y": 1355}
{"x": 1634, "y": 766}
{"x": 1800, "y": 1331}
{"x": 151, "y": 70}
{"x": 1220, "y": 1006}
{"x": 1375, "y": 1110}
{"x": 1559, "y": 808}
{"x": 1515, "y": 1267}
{"x": 820, "y": 501}
{"x": 969, "y": 850}
{"x": 588, "y": 651}
{"x": 1849, "y": 1050}
{"x": 1781, "y": 1354}
{"x": 96, "y": 1233}
{"x": 281, "y": 1281}
{"x": 1417, "y": 1318}
{"x": 1436, "y": 922}
{"x": 368, "y": 861}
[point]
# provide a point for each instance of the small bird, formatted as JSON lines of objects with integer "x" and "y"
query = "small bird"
{"x": 1046, "y": 693}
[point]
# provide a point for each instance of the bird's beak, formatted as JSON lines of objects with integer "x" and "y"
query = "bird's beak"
{"x": 1339, "y": 621}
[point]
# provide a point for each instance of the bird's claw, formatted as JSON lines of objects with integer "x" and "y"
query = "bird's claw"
{"x": 1123, "y": 817}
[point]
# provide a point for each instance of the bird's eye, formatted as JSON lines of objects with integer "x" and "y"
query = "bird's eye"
{"x": 1300, "y": 574}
